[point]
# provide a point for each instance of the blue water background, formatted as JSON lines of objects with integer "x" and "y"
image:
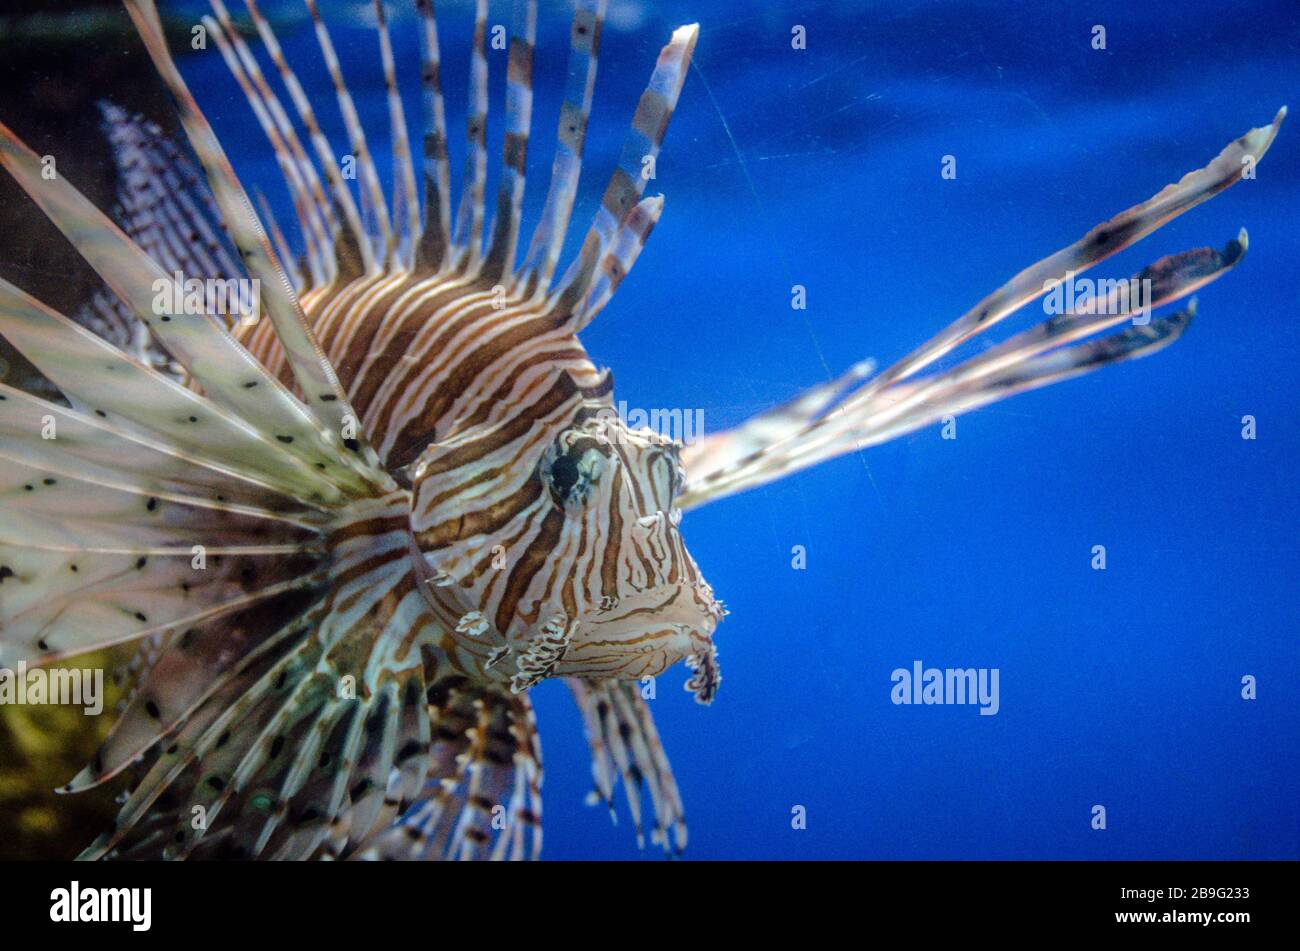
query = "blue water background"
{"x": 1118, "y": 687}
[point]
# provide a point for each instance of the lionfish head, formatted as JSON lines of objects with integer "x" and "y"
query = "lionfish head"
{"x": 559, "y": 526}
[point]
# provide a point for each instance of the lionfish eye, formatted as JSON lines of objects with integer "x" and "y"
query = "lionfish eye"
{"x": 572, "y": 467}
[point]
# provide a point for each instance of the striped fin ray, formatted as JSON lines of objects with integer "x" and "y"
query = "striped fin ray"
{"x": 453, "y": 718}
{"x": 406, "y": 201}
{"x": 352, "y": 249}
{"x": 500, "y": 258}
{"x": 624, "y": 743}
{"x": 468, "y": 234}
{"x": 310, "y": 823}
{"x": 390, "y": 746}
{"x": 69, "y": 514}
{"x": 292, "y": 270}
{"x": 483, "y": 793}
{"x": 292, "y": 792}
{"x": 488, "y": 785}
{"x": 259, "y": 798}
{"x": 738, "y": 458}
{"x": 309, "y": 210}
{"x": 368, "y": 809}
{"x": 190, "y": 668}
{"x": 102, "y": 381}
{"x": 392, "y": 735}
{"x": 314, "y": 195}
{"x": 880, "y": 408}
{"x": 961, "y": 396}
{"x": 288, "y": 752}
{"x": 94, "y": 450}
{"x": 435, "y": 239}
{"x": 1103, "y": 241}
{"x": 1170, "y": 279}
{"x": 1040, "y": 352}
{"x": 255, "y": 804}
{"x": 228, "y": 374}
{"x": 106, "y": 527}
{"x": 548, "y": 237}
{"x": 619, "y": 258}
{"x": 114, "y": 598}
{"x": 774, "y": 426}
{"x": 641, "y": 147}
{"x": 307, "y": 792}
{"x": 194, "y": 768}
{"x": 809, "y": 432}
{"x": 85, "y": 561}
{"x": 260, "y": 809}
{"x": 305, "y": 742}
{"x": 129, "y": 676}
{"x": 522, "y": 837}
{"x": 313, "y": 373}
{"x": 167, "y": 208}
{"x": 371, "y": 190}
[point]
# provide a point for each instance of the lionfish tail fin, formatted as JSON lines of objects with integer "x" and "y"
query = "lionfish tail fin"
{"x": 857, "y": 410}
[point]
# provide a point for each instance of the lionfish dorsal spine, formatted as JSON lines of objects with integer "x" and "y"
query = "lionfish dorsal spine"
{"x": 373, "y": 205}
{"x": 435, "y": 239}
{"x": 571, "y": 134}
{"x": 499, "y": 259}
{"x": 310, "y": 210}
{"x": 352, "y": 254}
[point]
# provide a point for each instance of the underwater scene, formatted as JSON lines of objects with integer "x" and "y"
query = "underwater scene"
{"x": 414, "y": 445}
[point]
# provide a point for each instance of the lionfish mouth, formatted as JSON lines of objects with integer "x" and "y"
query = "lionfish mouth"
{"x": 648, "y": 632}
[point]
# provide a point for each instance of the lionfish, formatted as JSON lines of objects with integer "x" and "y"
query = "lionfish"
{"x": 349, "y": 537}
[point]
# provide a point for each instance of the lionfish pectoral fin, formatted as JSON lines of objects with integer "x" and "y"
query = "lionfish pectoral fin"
{"x": 849, "y": 413}
{"x": 115, "y": 534}
{"x": 625, "y": 745}
{"x": 324, "y": 740}
{"x": 227, "y": 373}
{"x": 328, "y": 403}
{"x": 482, "y": 794}
{"x": 283, "y": 746}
